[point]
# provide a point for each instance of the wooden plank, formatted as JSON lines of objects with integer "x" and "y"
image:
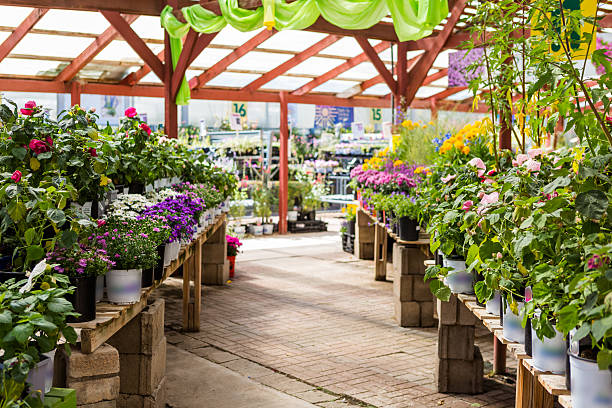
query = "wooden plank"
{"x": 466, "y": 298}
{"x": 554, "y": 384}
{"x": 380, "y": 274}
{"x": 524, "y": 385}
{"x": 565, "y": 401}
{"x": 134, "y": 77}
{"x": 197, "y": 283}
{"x": 473, "y": 306}
{"x": 483, "y": 314}
{"x": 20, "y": 31}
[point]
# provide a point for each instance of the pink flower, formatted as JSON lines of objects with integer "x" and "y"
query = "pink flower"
{"x": 131, "y": 112}
{"x": 491, "y": 173}
{"x": 93, "y": 152}
{"x": 101, "y": 223}
{"x": 609, "y": 120}
{"x": 490, "y": 198}
{"x": 521, "y": 158}
{"x": 49, "y": 141}
{"x": 467, "y": 205}
{"x": 533, "y": 165}
{"x": 449, "y": 178}
{"x": 28, "y": 108}
{"x": 146, "y": 128}
{"x": 481, "y": 194}
{"x": 499, "y": 255}
{"x": 16, "y": 177}
{"x": 38, "y": 146}
{"x": 479, "y": 164}
{"x": 533, "y": 153}
{"x": 488, "y": 181}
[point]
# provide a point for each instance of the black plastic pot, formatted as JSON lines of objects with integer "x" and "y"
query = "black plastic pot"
{"x": 307, "y": 215}
{"x": 380, "y": 215}
{"x": 350, "y": 227}
{"x": 528, "y": 340}
{"x": 158, "y": 271}
{"x": 83, "y": 299}
{"x": 5, "y": 263}
{"x": 6, "y": 275}
{"x": 408, "y": 229}
{"x": 137, "y": 188}
{"x": 147, "y": 278}
{"x": 95, "y": 209}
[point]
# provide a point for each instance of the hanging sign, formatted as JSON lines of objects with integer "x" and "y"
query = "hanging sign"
{"x": 376, "y": 115}
{"x": 240, "y": 108}
{"x": 235, "y": 122}
{"x": 327, "y": 116}
{"x": 576, "y": 41}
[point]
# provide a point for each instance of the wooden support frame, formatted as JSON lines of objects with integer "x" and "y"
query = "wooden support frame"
{"x": 380, "y": 252}
{"x": 91, "y": 51}
{"x": 135, "y": 77}
{"x": 378, "y": 64}
{"x": 22, "y": 29}
{"x": 137, "y": 44}
{"x": 283, "y": 194}
{"x": 75, "y": 93}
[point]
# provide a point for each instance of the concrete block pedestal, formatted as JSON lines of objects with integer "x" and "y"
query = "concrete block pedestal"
{"x": 215, "y": 266}
{"x": 413, "y": 300}
{"x": 364, "y": 236}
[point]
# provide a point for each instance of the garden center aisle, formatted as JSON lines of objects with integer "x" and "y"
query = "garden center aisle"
{"x": 307, "y": 319}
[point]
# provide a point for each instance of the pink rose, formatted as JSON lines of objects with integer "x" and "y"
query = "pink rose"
{"x": 449, "y": 178}
{"x": 489, "y": 181}
{"x": 609, "y": 120}
{"x": 131, "y": 112}
{"x": 38, "y": 146}
{"x": 28, "y": 108}
{"x": 49, "y": 141}
{"x": 533, "y": 153}
{"x": 101, "y": 223}
{"x": 490, "y": 198}
{"x": 521, "y": 158}
{"x": 491, "y": 173}
{"x": 16, "y": 177}
{"x": 93, "y": 152}
{"x": 146, "y": 128}
{"x": 533, "y": 165}
{"x": 499, "y": 255}
{"x": 467, "y": 205}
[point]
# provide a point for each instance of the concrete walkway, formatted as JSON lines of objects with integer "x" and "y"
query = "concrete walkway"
{"x": 309, "y": 320}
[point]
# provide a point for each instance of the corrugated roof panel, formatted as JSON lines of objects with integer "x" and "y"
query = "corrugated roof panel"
{"x": 286, "y": 83}
{"x": 315, "y": 66}
{"x": 260, "y": 61}
{"x": 73, "y": 20}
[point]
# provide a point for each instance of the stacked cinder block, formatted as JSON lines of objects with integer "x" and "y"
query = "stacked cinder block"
{"x": 459, "y": 365}
{"x": 414, "y": 303}
{"x": 215, "y": 267}
{"x": 364, "y": 236}
{"x": 94, "y": 376}
{"x": 142, "y": 353}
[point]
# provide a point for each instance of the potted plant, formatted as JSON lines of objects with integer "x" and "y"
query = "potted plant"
{"x": 83, "y": 266}
{"x": 233, "y": 247}
{"x": 407, "y": 212}
{"x": 262, "y": 201}
{"x": 238, "y": 210}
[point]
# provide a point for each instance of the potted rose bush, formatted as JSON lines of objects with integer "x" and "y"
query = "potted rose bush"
{"x": 233, "y": 248}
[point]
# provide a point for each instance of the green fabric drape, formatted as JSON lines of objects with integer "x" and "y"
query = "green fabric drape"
{"x": 412, "y": 19}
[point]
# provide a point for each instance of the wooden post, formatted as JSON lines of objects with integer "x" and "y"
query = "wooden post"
{"x": 433, "y": 103}
{"x": 499, "y": 356}
{"x": 284, "y": 164}
{"x": 75, "y": 93}
{"x": 170, "y": 109}
{"x": 380, "y": 252}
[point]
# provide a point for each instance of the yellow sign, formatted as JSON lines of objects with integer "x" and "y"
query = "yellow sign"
{"x": 575, "y": 41}
{"x": 376, "y": 115}
{"x": 240, "y": 108}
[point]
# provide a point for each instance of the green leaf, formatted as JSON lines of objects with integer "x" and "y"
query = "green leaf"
{"x": 489, "y": 249}
{"x": 555, "y": 184}
{"x": 19, "y": 152}
{"x": 582, "y": 332}
{"x": 16, "y": 210}
{"x": 483, "y": 293}
{"x": 22, "y": 332}
{"x": 57, "y": 216}
{"x": 604, "y": 359}
{"x": 592, "y": 204}
{"x": 69, "y": 334}
{"x": 68, "y": 238}
{"x": 34, "y": 253}
{"x": 29, "y": 236}
{"x": 44, "y": 324}
{"x": 472, "y": 254}
{"x": 568, "y": 318}
{"x": 440, "y": 290}
{"x": 5, "y": 317}
{"x": 600, "y": 327}
{"x": 59, "y": 305}
{"x": 44, "y": 156}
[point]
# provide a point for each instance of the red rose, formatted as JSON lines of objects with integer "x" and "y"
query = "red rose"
{"x": 609, "y": 120}
{"x": 131, "y": 112}
{"x": 28, "y": 108}
{"x": 93, "y": 152}
{"x": 146, "y": 128}
{"x": 38, "y": 146}
{"x": 16, "y": 177}
{"x": 49, "y": 141}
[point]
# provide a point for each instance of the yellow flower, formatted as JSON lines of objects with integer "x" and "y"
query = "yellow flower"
{"x": 465, "y": 150}
{"x": 397, "y": 163}
{"x": 45, "y": 286}
{"x": 104, "y": 180}
{"x": 458, "y": 144}
{"x": 418, "y": 170}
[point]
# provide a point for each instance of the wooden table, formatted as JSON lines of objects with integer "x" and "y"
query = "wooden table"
{"x": 110, "y": 318}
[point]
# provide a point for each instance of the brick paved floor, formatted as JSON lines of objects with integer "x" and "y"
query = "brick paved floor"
{"x": 303, "y": 317}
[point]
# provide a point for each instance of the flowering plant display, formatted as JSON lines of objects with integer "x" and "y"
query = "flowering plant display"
{"x": 233, "y": 245}
{"x": 126, "y": 245}
{"x": 181, "y": 212}
{"x": 130, "y": 205}
{"x": 81, "y": 261}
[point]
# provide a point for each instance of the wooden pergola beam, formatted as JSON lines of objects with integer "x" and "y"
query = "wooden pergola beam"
{"x": 386, "y": 75}
{"x": 91, "y": 51}
{"x": 225, "y": 62}
{"x": 331, "y": 74}
{"x": 448, "y": 92}
{"x": 20, "y": 31}
{"x": 137, "y": 44}
{"x": 134, "y": 77}
{"x": 434, "y": 77}
{"x": 291, "y": 63}
{"x": 202, "y": 42}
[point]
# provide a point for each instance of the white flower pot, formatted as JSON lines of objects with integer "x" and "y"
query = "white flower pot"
{"x": 126, "y": 190}
{"x": 549, "y": 354}
{"x": 123, "y": 286}
{"x": 591, "y": 387}
{"x": 217, "y": 212}
{"x": 256, "y": 230}
{"x": 292, "y": 215}
{"x": 493, "y": 305}
{"x": 458, "y": 280}
{"x": 99, "y": 288}
{"x": 157, "y": 184}
{"x": 202, "y": 220}
{"x": 40, "y": 377}
{"x": 268, "y": 229}
{"x": 513, "y": 325}
{"x": 240, "y": 229}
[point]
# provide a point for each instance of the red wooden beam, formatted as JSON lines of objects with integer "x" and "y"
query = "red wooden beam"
{"x": 377, "y": 62}
{"x": 134, "y": 77}
{"x": 448, "y": 92}
{"x": 417, "y": 75}
{"x": 183, "y": 62}
{"x": 75, "y": 93}
{"x": 402, "y": 69}
{"x": 135, "y": 42}
{"x": 283, "y": 193}
{"x": 297, "y": 59}
{"x": 434, "y": 77}
{"x": 90, "y": 52}
{"x": 331, "y": 74}
{"x": 20, "y": 31}
{"x": 202, "y": 42}
{"x": 220, "y": 66}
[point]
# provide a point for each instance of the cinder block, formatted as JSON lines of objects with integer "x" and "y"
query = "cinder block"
{"x": 465, "y": 315}
{"x": 456, "y": 342}
{"x": 410, "y": 261}
{"x": 101, "y": 404}
{"x": 427, "y": 314}
{"x": 142, "y": 374}
{"x": 460, "y": 376}
{"x": 143, "y": 332}
{"x": 102, "y": 362}
{"x": 407, "y": 314}
{"x": 421, "y": 291}
{"x": 447, "y": 311}
{"x": 215, "y": 274}
{"x": 94, "y": 390}
{"x": 402, "y": 288}
{"x": 155, "y": 400}
{"x": 214, "y": 253}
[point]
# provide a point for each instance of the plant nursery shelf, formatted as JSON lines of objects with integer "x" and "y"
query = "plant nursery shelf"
{"x": 550, "y": 385}
{"x": 110, "y": 318}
